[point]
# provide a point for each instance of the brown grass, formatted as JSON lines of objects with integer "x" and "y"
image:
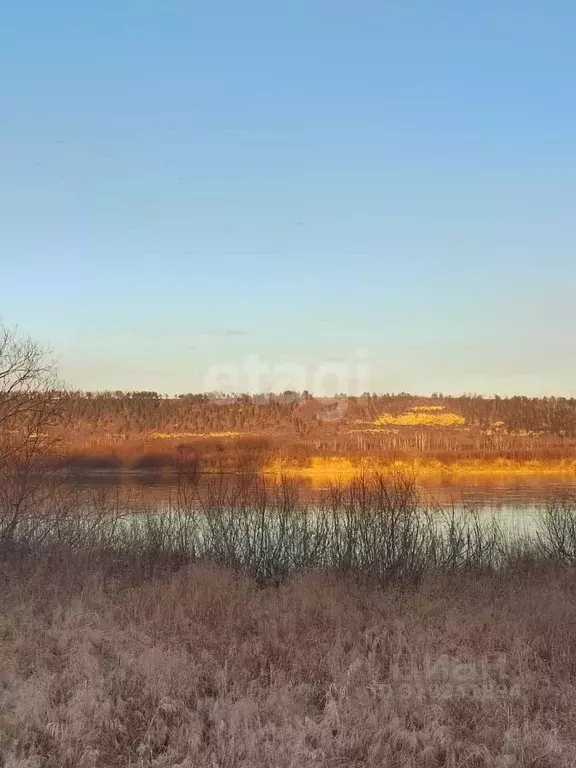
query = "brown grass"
{"x": 203, "y": 668}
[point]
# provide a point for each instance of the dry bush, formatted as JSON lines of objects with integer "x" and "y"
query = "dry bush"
{"x": 207, "y": 669}
{"x": 31, "y": 404}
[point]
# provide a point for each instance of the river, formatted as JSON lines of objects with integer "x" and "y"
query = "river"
{"x": 505, "y": 497}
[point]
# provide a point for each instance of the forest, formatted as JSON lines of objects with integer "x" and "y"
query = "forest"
{"x": 146, "y": 427}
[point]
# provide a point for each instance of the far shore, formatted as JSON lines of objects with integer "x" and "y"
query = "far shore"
{"x": 326, "y": 468}
{"x": 336, "y": 468}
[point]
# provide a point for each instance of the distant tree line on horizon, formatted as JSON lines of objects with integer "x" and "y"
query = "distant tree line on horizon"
{"x": 301, "y": 414}
{"x": 34, "y": 409}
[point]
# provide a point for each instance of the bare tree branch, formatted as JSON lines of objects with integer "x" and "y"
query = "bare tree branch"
{"x": 31, "y": 402}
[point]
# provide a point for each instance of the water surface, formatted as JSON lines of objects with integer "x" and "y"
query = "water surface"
{"x": 502, "y": 496}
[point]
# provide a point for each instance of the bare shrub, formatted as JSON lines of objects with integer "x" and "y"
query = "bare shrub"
{"x": 30, "y": 406}
{"x": 557, "y": 528}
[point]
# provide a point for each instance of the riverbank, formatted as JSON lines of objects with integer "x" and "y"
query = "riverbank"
{"x": 203, "y": 668}
{"x": 230, "y": 455}
{"x": 323, "y": 469}
{"x": 368, "y": 630}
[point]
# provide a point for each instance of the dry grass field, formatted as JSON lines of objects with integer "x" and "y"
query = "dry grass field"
{"x": 205, "y": 668}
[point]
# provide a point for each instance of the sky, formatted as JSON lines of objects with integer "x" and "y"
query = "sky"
{"x": 332, "y": 196}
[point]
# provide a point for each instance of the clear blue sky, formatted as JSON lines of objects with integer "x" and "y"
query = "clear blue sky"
{"x": 185, "y": 184}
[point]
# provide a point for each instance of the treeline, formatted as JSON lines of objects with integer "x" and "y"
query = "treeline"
{"x": 300, "y": 414}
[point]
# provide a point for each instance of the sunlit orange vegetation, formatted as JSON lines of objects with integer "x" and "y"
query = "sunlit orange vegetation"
{"x": 321, "y": 469}
{"x": 417, "y": 416}
{"x": 185, "y": 435}
{"x": 430, "y": 408}
{"x": 421, "y": 418}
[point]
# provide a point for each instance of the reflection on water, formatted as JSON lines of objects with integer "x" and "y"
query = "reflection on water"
{"x": 507, "y": 498}
{"x": 514, "y": 502}
{"x": 506, "y": 493}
